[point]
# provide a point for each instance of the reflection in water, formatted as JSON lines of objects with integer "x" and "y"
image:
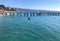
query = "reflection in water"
{"x": 43, "y": 28}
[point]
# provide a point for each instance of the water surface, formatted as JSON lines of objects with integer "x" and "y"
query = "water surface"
{"x": 43, "y": 28}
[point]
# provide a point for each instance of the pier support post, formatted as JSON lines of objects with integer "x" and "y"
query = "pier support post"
{"x": 20, "y": 14}
{"x": 39, "y": 14}
{"x": 24, "y": 14}
{"x": 30, "y": 14}
{"x": 2, "y": 13}
{"x": 36, "y": 14}
{"x": 10, "y": 13}
{"x": 17, "y": 14}
{"x": 13, "y": 14}
{"x": 6, "y": 14}
{"x": 27, "y": 14}
{"x": 33, "y": 14}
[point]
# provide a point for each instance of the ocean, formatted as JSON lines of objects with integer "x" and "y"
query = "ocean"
{"x": 38, "y": 28}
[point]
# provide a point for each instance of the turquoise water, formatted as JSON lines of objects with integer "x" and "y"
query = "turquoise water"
{"x": 43, "y": 28}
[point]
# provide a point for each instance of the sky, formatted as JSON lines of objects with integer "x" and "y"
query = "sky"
{"x": 33, "y": 4}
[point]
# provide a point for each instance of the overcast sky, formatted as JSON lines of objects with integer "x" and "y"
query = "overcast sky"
{"x": 33, "y": 4}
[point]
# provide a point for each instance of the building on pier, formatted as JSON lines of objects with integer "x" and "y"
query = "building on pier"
{"x": 6, "y": 10}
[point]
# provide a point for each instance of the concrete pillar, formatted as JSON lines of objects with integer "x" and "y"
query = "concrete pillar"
{"x": 55, "y": 14}
{"x": 36, "y": 14}
{"x": 39, "y": 14}
{"x": 24, "y": 14}
{"x": 27, "y": 14}
{"x": 17, "y": 14}
{"x": 5, "y": 14}
{"x": 30, "y": 14}
{"x": 10, "y": 13}
{"x": 13, "y": 14}
{"x": 33, "y": 14}
{"x": 20, "y": 13}
{"x": 48, "y": 13}
{"x": 2, "y": 13}
{"x": 58, "y": 13}
{"x": 52, "y": 14}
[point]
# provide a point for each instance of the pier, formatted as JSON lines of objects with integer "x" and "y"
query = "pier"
{"x": 7, "y": 11}
{"x": 14, "y": 13}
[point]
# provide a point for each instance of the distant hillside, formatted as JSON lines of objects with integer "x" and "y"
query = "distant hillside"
{"x": 31, "y": 10}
